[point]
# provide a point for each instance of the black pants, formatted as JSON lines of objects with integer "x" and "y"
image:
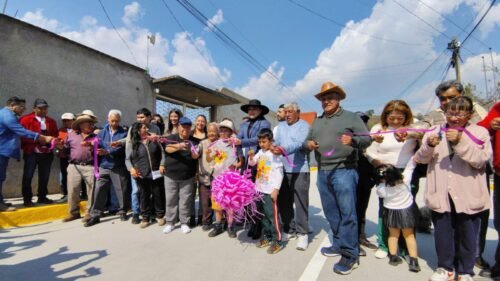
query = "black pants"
{"x": 118, "y": 178}
{"x": 151, "y": 195}
{"x": 271, "y": 226}
{"x": 455, "y": 237}
{"x": 63, "y": 164}
{"x": 496, "y": 215}
{"x": 363, "y": 193}
{"x": 294, "y": 189}
{"x": 31, "y": 161}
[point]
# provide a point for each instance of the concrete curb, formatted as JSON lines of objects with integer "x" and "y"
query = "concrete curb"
{"x": 34, "y": 215}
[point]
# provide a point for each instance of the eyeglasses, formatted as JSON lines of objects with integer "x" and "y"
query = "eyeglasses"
{"x": 457, "y": 115}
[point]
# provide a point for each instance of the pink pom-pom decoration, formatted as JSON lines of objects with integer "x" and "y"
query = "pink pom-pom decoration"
{"x": 233, "y": 191}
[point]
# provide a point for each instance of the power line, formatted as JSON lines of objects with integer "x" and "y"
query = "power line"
{"x": 351, "y": 28}
{"x": 424, "y": 21}
{"x": 118, "y": 33}
{"x": 193, "y": 42}
{"x": 450, "y": 20}
{"x": 479, "y": 22}
{"x": 421, "y": 74}
{"x": 205, "y": 21}
{"x": 241, "y": 33}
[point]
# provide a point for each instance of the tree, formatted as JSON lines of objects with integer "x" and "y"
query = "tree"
{"x": 370, "y": 112}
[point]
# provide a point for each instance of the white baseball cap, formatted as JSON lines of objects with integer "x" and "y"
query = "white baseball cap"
{"x": 68, "y": 116}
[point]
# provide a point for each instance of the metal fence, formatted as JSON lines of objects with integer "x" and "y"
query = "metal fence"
{"x": 164, "y": 107}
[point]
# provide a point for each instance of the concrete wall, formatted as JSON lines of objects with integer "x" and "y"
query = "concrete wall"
{"x": 71, "y": 77}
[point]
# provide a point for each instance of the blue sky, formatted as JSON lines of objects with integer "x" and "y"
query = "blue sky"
{"x": 300, "y": 47}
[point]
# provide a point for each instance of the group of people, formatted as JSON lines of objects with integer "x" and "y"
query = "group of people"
{"x": 155, "y": 170}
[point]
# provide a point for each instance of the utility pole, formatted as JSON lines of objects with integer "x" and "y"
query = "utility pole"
{"x": 496, "y": 88}
{"x": 454, "y": 46}
{"x": 485, "y": 79}
{"x": 4, "y": 6}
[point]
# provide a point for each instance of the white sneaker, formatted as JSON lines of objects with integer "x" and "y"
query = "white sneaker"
{"x": 185, "y": 228}
{"x": 442, "y": 274}
{"x": 303, "y": 242}
{"x": 169, "y": 228}
{"x": 380, "y": 254}
{"x": 465, "y": 277}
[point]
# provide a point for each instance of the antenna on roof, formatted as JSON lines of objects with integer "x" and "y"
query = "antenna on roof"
{"x": 4, "y": 6}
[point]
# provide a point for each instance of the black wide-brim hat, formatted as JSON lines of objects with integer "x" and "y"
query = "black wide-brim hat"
{"x": 255, "y": 103}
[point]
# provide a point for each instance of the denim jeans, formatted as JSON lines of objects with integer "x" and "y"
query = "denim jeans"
{"x": 4, "y": 161}
{"x": 32, "y": 161}
{"x": 337, "y": 190}
{"x": 135, "y": 197}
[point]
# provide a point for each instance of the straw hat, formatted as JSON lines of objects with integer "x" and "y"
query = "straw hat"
{"x": 82, "y": 118}
{"x": 227, "y": 124}
{"x": 329, "y": 87}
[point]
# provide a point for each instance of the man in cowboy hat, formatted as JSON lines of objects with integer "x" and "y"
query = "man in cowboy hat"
{"x": 10, "y": 133}
{"x": 336, "y": 138}
{"x": 78, "y": 146}
{"x": 247, "y": 138}
{"x": 36, "y": 155}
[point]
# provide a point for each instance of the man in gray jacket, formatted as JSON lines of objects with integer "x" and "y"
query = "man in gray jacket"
{"x": 336, "y": 137}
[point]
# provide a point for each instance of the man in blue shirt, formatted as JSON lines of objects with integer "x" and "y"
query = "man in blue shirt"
{"x": 10, "y": 133}
{"x": 112, "y": 170}
{"x": 290, "y": 135}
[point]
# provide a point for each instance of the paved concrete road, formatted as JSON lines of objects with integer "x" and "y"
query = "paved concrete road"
{"x": 115, "y": 250}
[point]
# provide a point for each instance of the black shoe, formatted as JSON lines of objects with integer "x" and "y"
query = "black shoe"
{"x": 218, "y": 229}
{"x": 481, "y": 263}
{"x": 231, "y": 232}
{"x": 44, "y": 200}
{"x": 345, "y": 266}
{"x": 413, "y": 265}
{"x": 135, "y": 219}
{"x": 192, "y": 222}
{"x": 362, "y": 252}
{"x": 394, "y": 260}
{"x": 495, "y": 272}
{"x": 92, "y": 221}
{"x": 152, "y": 220}
{"x": 206, "y": 227}
{"x": 364, "y": 242}
{"x": 28, "y": 204}
{"x": 123, "y": 217}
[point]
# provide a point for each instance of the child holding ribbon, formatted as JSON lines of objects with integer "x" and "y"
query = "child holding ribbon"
{"x": 268, "y": 182}
{"x": 224, "y": 155}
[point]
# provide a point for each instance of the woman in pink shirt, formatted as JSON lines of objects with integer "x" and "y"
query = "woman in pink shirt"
{"x": 456, "y": 154}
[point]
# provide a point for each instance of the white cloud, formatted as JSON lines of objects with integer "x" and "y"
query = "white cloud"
{"x": 37, "y": 18}
{"x": 472, "y": 70}
{"x": 131, "y": 13}
{"x": 491, "y": 20}
{"x": 179, "y": 56}
{"x": 217, "y": 19}
{"x": 353, "y": 57}
{"x": 265, "y": 87}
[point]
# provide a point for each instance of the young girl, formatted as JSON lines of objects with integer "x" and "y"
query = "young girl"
{"x": 268, "y": 182}
{"x": 205, "y": 171}
{"x": 224, "y": 158}
{"x": 399, "y": 213}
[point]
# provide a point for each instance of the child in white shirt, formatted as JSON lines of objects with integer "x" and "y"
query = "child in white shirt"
{"x": 268, "y": 182}
{"x": 399, "y": 214}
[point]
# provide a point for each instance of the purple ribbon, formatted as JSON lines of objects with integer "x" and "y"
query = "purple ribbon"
{"x": 465, "y": 131}
{"x": 283, "y": 151}
{"x": 193, "y": 147}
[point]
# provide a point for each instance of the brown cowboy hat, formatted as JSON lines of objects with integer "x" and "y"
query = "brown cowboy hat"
{"x": 329, "y": 87}
{"x": 255, "y": 103}
{"x": 81, "y": 119}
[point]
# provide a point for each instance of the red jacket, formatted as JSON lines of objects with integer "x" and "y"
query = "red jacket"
{"x": 29, "y": 122}
{"x": 495, "y": 135}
